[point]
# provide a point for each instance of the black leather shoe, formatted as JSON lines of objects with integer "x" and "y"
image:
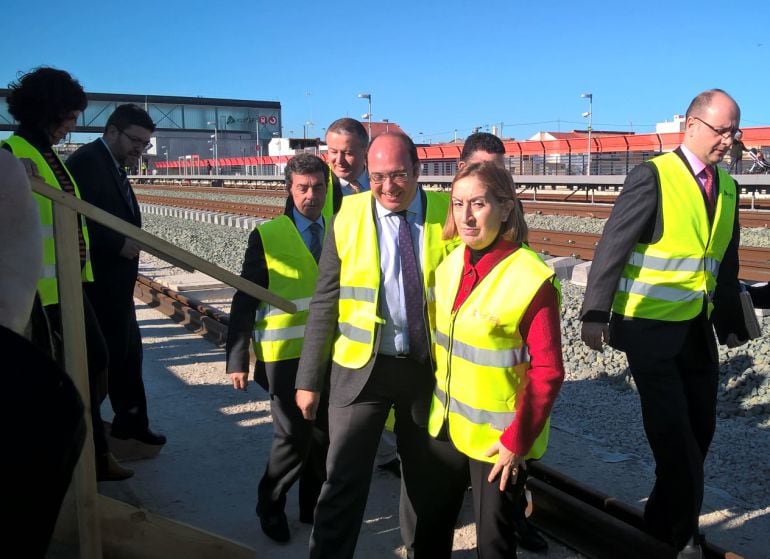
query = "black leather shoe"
{"x": 394, "y": 467}
{"x": 275, "y": 526}
{"x": 692, "y": 550}
{"x": 528, "y": 537}
{"x": 146, "y": 436}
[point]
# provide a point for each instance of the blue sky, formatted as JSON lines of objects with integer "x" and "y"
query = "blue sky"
{"x": 432, "y": 67}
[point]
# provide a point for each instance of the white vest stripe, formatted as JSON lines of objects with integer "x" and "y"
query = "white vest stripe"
{"x": 498, "y": 420}
{"x": 269, "y": 311}
{"x": 364, "y": 294}
{"x": 482, "y": 356}
{"x": 354, "y": 333}
{"x": 280, "y": 334}
{"x": 658, "y": 291}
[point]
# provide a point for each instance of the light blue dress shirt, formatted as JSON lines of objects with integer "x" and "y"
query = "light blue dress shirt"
{"x": 303, "y": 226}
{"x": 394, "y": 337}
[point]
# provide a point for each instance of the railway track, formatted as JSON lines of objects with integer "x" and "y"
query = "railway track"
{"x": 754, "y": 213}
{"x": 755, "y": 262}
{"x": 596, "y": 525}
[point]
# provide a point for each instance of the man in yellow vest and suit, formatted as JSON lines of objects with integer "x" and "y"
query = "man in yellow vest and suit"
{"x": 667, "y": 268}
{"x": 282, "y": 256}
{"x": 371, "y": 316}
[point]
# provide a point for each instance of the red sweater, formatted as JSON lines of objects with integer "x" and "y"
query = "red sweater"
{"x": 541, "y": 332}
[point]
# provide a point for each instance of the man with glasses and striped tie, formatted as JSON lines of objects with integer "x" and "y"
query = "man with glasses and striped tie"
{"x": 282, "y": 256}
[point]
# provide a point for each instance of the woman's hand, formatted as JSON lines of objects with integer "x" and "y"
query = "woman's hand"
{"x": 507, "y": 465}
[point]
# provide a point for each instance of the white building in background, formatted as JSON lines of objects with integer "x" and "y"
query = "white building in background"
{"x": 677, "y": 125}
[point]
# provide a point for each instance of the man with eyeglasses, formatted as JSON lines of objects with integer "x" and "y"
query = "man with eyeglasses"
{"x": 100, "y": 171}
{"x": 668, "y": 257}
{"x": 371, "y": 315}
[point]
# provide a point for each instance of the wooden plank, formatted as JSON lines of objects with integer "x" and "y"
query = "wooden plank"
{"x": 130, "y": 532}
{"x": 160, "y": 247}
{"x": 66, "y": 225}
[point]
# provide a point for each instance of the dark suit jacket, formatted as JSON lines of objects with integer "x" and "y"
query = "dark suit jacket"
{"x": 636, "y": 217}
{"x": 276, "y": 377}
{"x": 100, "y": 184}
{"x": 344, "y": 384}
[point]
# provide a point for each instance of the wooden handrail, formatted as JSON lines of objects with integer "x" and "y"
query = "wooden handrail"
{"x": 161, "y": 248}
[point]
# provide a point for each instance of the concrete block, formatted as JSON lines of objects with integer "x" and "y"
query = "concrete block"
{"x": 580, "y": 274}
{"x": 190, "y": 282}
{"x": 563, "y": 266}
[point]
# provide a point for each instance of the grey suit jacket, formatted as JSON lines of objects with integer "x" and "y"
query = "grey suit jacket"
{"x": 344, "y": 384}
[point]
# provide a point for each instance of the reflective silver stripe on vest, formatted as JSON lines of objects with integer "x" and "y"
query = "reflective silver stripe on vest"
{"x": 658, "y": 291}
{"x": 355, "y": 333}
{"x": 269, "y": 311}
{"x": 503, "y": 358}
{"x": 364, "y": 294}
{"x": 48, "y": 271}
{"x": 673, "y": 264}
{"x": 47, "y": 231}
{"x": 498, "y": 420}
{"x": 430, "y": 294}
{"x": 712, "y": 265}
{"x": 280, "y": 334}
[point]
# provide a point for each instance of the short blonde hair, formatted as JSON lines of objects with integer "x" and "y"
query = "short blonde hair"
{"x": 499, "y": 183}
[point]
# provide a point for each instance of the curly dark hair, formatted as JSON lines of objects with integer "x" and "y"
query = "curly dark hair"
{"x": 45, "y": 97}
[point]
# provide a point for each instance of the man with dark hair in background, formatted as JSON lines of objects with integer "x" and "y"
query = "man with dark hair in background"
{"x": 282, "y": 256}
{"x": 480, "y": 147}
{"x": 99, "y": 170}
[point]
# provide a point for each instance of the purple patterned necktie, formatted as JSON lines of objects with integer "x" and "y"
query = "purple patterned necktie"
{"x": 413, "y": 293}
{"x": 708, "y": 186}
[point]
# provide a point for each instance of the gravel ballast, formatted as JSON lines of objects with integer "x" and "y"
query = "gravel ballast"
{"x": 598, "y": 400}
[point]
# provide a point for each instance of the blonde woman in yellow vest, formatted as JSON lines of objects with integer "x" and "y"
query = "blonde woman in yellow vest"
{"x": 498, "y": 365}
{"x": 46, "y": 103}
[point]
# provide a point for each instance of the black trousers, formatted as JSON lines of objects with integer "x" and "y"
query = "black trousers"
{"x": 354, "y": 433}
{"x": 495, "y": 511}
{"x": 117, "y": 319}
{"x": 678, "y": 399}
{"x": 298, "y": 453}
{"x": 98, "y": 361}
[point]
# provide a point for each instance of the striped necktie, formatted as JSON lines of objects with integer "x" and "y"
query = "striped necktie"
{"x": 413, "y": 293}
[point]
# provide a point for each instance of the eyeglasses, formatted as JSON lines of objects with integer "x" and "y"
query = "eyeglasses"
{"x": 726, "y": 133}
{"x": 136, "y": 141}
{"x": 399, "y": 177}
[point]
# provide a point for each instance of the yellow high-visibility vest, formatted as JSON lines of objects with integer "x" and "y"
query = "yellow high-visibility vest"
{"x": 670, "y": 279}
{"x": 292, "y": 273}
{"x": 355, "y": 233}
{"x": 47, "y": 285}
{"x": 481, "y": 358}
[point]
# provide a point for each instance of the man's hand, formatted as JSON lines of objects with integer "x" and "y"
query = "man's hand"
{"x": 240, "y": 380}
{"x": 594, "y": 334}
{"x": 131, "y": 249}
{"x": 307, "y": 402}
